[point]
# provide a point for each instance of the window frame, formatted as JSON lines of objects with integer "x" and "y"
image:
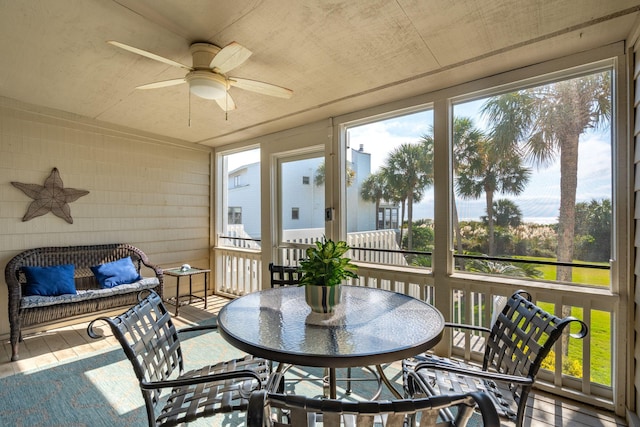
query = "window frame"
{"x": 441, "y": 101}
{"x": 342, "y": 128}
{"x": 220, "y": 196}
{"x": 609, "y": 64}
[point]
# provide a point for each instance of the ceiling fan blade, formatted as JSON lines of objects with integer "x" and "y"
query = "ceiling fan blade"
{"x": 163, "y": 83}
{"x": 149, "y": 55}
{"x": 261, "y": 87}
{"x": 231, "y": 56}
{"x": 226, "y": 103}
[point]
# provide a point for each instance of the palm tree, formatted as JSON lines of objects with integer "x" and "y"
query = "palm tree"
{"x": 507, "y": 213}
{"x": 496, "y": 267}
{"x": 318, "y": 178}
{"x": 546, "y": 122}
{"x": 409, "y": 170}
{"x": 593, "y": 230}
{"x": 505, "y": 269}
{"x": 394, "y": 193}
{"x": 465, "y": 134}
{"x": 374, "y": 190}
{"x": 486, "y": 168}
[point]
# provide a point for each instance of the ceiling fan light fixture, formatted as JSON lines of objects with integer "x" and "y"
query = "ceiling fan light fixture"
{"x": 207, "y": 77}
{"x": 206, "y": 85}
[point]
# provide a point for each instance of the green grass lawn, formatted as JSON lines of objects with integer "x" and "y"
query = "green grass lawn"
{"x": 586, "y": 276}
{"x": 600, "y": 328}
{"x": 600, "y": 333}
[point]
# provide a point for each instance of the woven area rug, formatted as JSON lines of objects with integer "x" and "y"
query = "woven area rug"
{"x": 101, "y": 390}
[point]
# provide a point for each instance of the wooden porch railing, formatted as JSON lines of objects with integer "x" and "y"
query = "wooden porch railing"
{"x": 238, "y": 271}
{"x": 581, "y": 375}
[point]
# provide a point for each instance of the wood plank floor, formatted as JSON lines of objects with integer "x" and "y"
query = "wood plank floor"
{"x": 70, "y": 342}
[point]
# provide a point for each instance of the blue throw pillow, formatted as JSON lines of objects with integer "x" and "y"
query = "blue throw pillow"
{"x": 116, "y": 273}
{"x": 49, "y": 281}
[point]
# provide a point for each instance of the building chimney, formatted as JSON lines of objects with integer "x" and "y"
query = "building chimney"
{"x": 361, "y": 148}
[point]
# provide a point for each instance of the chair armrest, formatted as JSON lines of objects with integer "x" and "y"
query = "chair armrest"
{"x": 156, "y": 269}
{"x": 198, "y": 328}
{"x": 223, "y": 376}
{"x": 584, "y": 329}
{"x": 490, "y": 417}
{"x": 147, "y": 263}
{"x": 256, "y": 409}
{"x": 95, "y": 332}
{"x": 495, "y": 376}
{"x": 470, "y": 327}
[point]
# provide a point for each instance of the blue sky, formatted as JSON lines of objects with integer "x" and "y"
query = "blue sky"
{"x": 539, "y": 202}
{"x": 541, "y": 199}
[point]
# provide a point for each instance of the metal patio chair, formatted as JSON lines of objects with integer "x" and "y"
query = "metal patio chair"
{"x": 521, "y": 337}
{"x": 150, "y": 341}
{"x": 270, "y": 409}
{"x": 284, "y": 275}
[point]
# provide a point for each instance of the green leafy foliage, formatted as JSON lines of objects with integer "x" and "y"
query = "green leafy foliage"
{"x": 570, "y": 366}
{"x": 593, "y": 230}
{"x": 325, "y": 264}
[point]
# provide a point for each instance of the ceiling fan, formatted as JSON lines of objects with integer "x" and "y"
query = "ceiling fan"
{"x": 207, "y": 77}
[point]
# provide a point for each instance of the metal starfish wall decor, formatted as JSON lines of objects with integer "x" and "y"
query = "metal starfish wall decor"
{"x": 52, "y": 197}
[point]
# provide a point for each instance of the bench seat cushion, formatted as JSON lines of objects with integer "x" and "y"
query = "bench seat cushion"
{"x": 34, "y": 301}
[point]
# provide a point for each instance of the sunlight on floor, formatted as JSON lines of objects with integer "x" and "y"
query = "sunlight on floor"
{"x": 121, "y": 391}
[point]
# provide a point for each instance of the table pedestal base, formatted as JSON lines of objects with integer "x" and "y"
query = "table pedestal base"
{"x": 330, "y": 379}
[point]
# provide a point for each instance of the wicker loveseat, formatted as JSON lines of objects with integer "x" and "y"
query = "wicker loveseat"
{"x": 91, "y": 297}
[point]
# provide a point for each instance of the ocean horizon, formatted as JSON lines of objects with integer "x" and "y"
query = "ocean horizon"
{"x": 543, "y": 220}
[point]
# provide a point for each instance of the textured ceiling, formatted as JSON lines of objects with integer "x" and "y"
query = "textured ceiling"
{"x": 337, "y": 56}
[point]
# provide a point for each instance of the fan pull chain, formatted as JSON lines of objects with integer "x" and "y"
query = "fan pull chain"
{"x": 189, "y": 124}
{"x": 226, "y": 106}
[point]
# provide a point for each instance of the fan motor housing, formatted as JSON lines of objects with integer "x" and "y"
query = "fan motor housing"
{"x": 203, "y": 54}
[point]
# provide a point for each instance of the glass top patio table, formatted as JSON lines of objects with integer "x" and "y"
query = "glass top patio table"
{"x": 370, "y": 327}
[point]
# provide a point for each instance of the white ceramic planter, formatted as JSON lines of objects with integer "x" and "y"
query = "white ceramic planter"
{"x": 323, "y": 299}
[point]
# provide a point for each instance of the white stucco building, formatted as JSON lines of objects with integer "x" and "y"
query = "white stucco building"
{"x": 303, "y": 196}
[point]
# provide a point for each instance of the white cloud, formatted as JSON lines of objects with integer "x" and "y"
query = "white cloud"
{"x": 540, "y": 200}
{"x": 382, "y": 137}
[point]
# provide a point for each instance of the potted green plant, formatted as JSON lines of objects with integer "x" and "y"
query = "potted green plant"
{"x": 323, "y": 270}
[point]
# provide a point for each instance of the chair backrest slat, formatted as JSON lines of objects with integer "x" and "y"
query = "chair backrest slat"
{"x": 302, "y": 411}
{"x": 150, "y": 341}
{"x": 522, "y": 337}
{"x": 284, "y": 275}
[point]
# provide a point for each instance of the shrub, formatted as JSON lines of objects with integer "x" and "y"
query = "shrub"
{"x": 570, "y": 365}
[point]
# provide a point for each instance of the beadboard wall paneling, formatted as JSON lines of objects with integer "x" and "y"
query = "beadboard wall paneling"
{"x": 148, "y": 191}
